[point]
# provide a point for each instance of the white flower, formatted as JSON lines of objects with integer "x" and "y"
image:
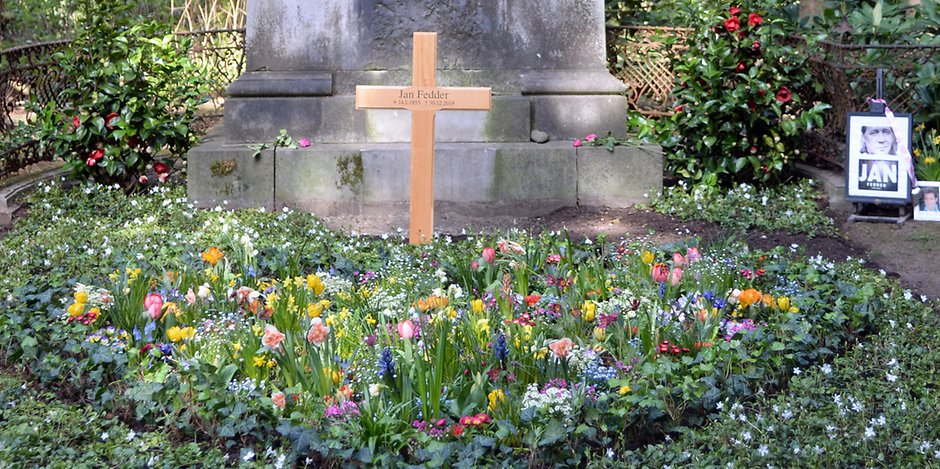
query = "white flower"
{"x": 248, "y": 456}
{"x": 826, "y": 369}
{"x": 763, "y": 450}
{"x": 890, "y": 377}
{"x": 869, "y": 432}
{"x": 104, "y": 436}
{"x": 131, "y": 435}
{"x": 797, "y": 371}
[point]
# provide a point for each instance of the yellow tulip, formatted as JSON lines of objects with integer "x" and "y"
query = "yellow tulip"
{"x": 174, "y": 334}
{"x": 314, "y": 283}
{"x": 81, "y": 297}
{"x": 314, "y": 310}
{"x": 76, "y": 309}
{"x": 476, "y": 306}
{"x": 783, "y": 303}
{"x": 588, "y": 311}
{"x": 495, "y": 397}
{"x": 600, "y": 334}
{"x": 647, "y": 257}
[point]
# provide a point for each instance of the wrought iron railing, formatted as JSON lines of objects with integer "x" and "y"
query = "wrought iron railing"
{"x": 638, "y": 56}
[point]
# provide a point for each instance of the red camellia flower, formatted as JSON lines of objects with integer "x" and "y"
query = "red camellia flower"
{"x": 161, "y": 168}
{"x": 734, "y": 10}
{"x": 732, "y": 24}
{"x": 678, "y": 108}
{"x": 108, "y": 120}
{"x": 754, "y": 20}
{"x": 784, "y": 95}
{"x": 76, "y": 122}
{"x": 97, "y": 154}
{"x": 741, "y": 67}
{"x": 756, "y": 46}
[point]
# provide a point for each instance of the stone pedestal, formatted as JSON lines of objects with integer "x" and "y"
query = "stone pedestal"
{"x": 544, "y": 59}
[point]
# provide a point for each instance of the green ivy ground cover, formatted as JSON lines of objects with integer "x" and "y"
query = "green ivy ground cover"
{"x": 273, "y": 340}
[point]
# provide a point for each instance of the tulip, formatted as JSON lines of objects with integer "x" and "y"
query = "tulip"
{"x": 474, "y": 266}
{"x": 676, "y": 276}
{"x": 660, "y": 273}
{"x": 406, "y": 329}
{"x": 588, "y": 310}
{"x": 647, "y": 257}
{"x": 272, "y": 337}
{"x": 599, "y": 334}
{"x": 678, "y": 260}
{"x": 153, "y": 304}
{"x": 476, "y": 306}
{"x": 693, "y": 254}
{"x": 489, "y": 255}
{"x": 318, "y": 332}
{"x": 279, "y": 399}
{"x": 561, "y": 347}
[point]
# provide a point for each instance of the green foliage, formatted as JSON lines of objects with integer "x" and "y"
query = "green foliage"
{"x": 793, "y": 208}
{"x": 876, "y": 403}
{"x": 132, "y": 95}
{"x": 39, "y": 429}
{"x": 739, "y": 110}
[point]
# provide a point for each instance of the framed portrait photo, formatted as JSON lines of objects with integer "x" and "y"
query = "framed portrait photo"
{"x": 928, "y": 207}
{"x": 874, "y": 169}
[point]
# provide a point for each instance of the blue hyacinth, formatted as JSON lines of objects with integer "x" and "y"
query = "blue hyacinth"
{"x": 501, "y": 347}
{"x": 386, "y": 364}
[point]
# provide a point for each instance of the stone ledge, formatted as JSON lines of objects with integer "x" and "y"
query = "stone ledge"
{"x": 11, "y": 193}
{"x": 473, "y": 179}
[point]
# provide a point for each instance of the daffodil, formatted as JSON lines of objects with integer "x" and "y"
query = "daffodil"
{"x": 314, "y": 283}
{"x": 81, "y": 297}
{"x": 76, "y": 309}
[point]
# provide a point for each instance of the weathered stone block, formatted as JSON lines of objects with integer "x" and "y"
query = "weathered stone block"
{"x": 261, "y": 119}
{"x": 217, "y": 173}
{"x": 621, "y": 178}
{"x": 569, "y": 117}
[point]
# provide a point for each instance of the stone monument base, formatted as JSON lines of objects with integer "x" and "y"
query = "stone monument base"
{"x": 471, "y": 179}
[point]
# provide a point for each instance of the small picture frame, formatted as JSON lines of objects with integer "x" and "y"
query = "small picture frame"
{"x": 874, "y": 169}
{"x": 927, "y": 208}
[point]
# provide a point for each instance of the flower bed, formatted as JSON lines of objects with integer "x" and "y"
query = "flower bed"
{"x": 254, "y": 328}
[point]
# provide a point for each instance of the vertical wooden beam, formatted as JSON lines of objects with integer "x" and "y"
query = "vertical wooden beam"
{"x": 421, "y": 212}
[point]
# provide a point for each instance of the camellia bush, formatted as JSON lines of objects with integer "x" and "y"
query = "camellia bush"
{"x": 131, "y": 96}
{"x": 258, "y": 327}
{"x": 739, "y": 108}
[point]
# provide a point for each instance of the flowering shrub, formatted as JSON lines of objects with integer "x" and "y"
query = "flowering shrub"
{"x": 739, "y": 109}
{"x": 132, "y": 96}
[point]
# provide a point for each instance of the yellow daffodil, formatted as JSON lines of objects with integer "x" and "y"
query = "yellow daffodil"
{"x": 483, "y": 326}
{"x": 259, "y": 361}
{"x": 540, "y": 353}
{"x": 370, "y": 320}
{"x": 271, "y": 363}
{"x": 337, "y": 376}
{"x": 237, "y": 346}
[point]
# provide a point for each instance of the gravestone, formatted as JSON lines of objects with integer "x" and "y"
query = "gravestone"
{"x": 543, "y": 59}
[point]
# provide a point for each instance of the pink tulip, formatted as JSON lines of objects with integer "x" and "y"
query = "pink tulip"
{"x": 660, "y": 273}
{"x": 406, "y": 329}
{"x": 272, "y": 337}
{"x": 474, "y": 266}
{"x": 676, "y": 276}
{"x": 153, "y": 303}
{"x": 693, "y": 254}
{"x": 489, "y": 255}
{"x": 678, "y": 260}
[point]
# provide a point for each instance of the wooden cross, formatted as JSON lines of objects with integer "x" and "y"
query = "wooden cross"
{"x": 423, "y": 98}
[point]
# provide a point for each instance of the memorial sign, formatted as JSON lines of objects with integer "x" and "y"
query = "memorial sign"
{"x": 423, "y": 99}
